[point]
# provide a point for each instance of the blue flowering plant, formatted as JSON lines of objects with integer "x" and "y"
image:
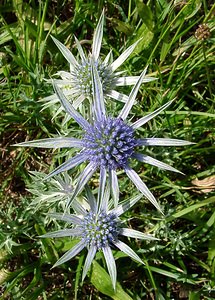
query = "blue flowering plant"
{"x": 77, "y": 84}
{"x": 108, "y": 143}
{"x": 98, "y": 228}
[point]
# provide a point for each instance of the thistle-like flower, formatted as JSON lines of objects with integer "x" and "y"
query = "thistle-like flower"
{"x": 98, "y": 228}
{"x": 108, "y": 143}
{"x": 77, "y": 84}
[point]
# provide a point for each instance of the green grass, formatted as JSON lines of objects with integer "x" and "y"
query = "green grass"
{"x": 181, "y": 265}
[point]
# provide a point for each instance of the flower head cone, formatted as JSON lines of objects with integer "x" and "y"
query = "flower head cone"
{"x": 98, "y": 229}
{"x": 77, "y": 84}
{"x": 108, "y": 143}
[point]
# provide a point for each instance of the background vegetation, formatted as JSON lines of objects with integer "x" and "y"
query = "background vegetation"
{"x": 181, "y": 55}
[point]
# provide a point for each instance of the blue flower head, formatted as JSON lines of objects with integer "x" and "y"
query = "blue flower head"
{"x": 108, "y": 143}
{"x": 77, "y": 84}
{"x": 98, "y": 228}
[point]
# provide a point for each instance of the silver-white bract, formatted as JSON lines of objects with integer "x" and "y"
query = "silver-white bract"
{"x": 55, "y": 192}
{"x": 98, "y": 228}
{"x": 77, "y": 84}
{"x": 108, "y": 143}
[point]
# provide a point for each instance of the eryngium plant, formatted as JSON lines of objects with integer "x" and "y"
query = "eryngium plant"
{"x": 55, "y": 192}
{"x": 107, "y": 143}
{"x": 77, "y": 84}
{"x": 98, "y": 228}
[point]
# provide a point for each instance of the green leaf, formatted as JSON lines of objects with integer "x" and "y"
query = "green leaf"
{"x": 194, "y": 295}
{"x": 78, "y": 274}
{"x": 145, "y": 14}
{"x": 49, "y": 248}
{"x": 191, "y": 208}
{"x": 34, "y": 282}
{"x": 19, "y": 275}
{"x": 122, "y": 26}
{"x": 101, "y": 280}
{"x": 146, "y": 37}
{"x": 191, "y": 8}
{"x": 174, "y": 275}
{"x": 164, "y": 50}
{"x": 211, "y": 249}
{"x": 65, "y": 244}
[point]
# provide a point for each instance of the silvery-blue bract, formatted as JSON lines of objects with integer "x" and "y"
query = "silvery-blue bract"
{"x": 77, "y": 84}
{"x": 55, "y": 192}
{"x": 98, "y": 228}
{"x": 107, "y": 143}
